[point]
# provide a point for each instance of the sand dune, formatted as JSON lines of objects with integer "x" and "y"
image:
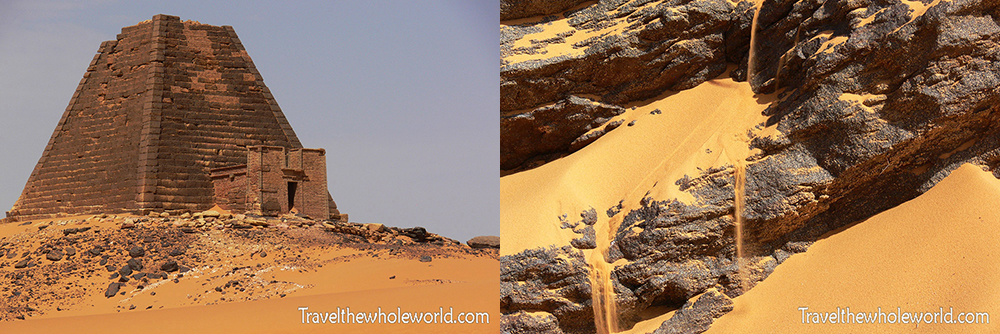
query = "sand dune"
{"x": 935, "y": 251}
{"x": 673, "y": 135}
{"x": 283, "y": 316}
{"x": 233, "y": 280}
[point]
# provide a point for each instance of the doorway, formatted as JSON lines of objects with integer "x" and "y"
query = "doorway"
{"x": 292, "y": 187}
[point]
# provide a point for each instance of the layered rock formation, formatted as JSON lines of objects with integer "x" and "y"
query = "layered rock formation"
{"x": 877, "y": 102}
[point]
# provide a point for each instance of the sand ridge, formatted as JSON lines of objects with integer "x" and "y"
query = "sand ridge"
{"x": 935, "y": 251}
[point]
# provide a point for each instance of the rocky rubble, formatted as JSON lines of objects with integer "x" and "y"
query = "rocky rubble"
{"x": 120, "y": 257}
{"x": 878, "y": 102}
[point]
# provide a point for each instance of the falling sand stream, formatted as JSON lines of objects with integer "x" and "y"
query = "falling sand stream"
{"x": 735, "y": 150}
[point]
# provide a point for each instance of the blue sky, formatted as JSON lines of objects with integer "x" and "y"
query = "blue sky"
{"x": 402, "y": 94}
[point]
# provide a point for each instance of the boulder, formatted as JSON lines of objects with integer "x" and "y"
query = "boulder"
{"x": 490, "y": 241}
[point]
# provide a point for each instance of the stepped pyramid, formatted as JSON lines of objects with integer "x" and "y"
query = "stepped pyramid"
{"x": 173, "y": 116}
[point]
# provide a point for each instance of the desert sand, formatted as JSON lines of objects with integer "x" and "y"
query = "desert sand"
{"x": 935, "y": 251}
{"x": 674, "y": 135}
{"x": 235, "y": 280}
{"x": 558, "y": 37}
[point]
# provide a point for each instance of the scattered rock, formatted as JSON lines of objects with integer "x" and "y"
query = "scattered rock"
{"x": 135, "y": 264}
{"x": 169, "y": 266}
{"x": 69, "y": 231}
{"x": 125, "y": 271}
{"x": 54, "y": 255}
{"x": 136, "y": 251}
{"x": 112, "y": 290}
{"x": 425, "y": 258}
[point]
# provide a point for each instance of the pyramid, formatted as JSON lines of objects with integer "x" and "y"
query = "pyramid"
{"x": 173, "y": 116}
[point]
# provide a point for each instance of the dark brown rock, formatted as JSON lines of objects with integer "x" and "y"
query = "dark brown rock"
{"x": 136, "y": 251}
{"x": 516, "y": 9}
{"x": 54, "y": 255}
{"x": 169, "y": 266}
{"x": 112, "y": 289}
{"x": 135, "y": 264}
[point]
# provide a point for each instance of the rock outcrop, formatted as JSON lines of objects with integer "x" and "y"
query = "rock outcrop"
{"x": 618, "y": 51}
{"x": 552, "y": 283}
{"x": 878, "y": 101}
{"x": 516, "y": 9}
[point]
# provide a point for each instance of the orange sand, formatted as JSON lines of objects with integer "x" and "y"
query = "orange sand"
{"x": 282, "y": 315}
{"x": 699, "y": 128}
{"x": 938, "y": 250}
{"x": 344, "y": 277}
